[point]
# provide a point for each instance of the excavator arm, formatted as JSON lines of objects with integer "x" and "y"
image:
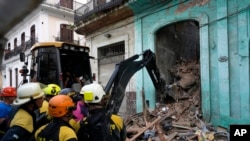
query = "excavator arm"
{"x": 122, "y": 74}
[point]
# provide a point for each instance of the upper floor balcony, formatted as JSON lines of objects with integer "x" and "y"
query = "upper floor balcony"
{"x": 67, "y": 40}
{"x": 70, "y": 5}
{"x": 8, "y": 53}
{"x": 99, "y": 13}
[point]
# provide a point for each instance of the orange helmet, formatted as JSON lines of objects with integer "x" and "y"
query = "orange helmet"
{"x": 59, "y": 105}
{"x": 8, "y": 91}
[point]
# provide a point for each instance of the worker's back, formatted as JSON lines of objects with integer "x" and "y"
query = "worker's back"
{"x": 99, "y": 127}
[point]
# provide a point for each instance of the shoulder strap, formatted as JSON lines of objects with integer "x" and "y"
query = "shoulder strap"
{"x": 52, "y": 126}
{"x": 95, "y": 128}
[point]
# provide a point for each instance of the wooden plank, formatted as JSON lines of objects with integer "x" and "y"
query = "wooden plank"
{"x": 144, "y": 129}
{"x": 144, "y": 107}
{"x": 160, "y": 132}
{"x": 159, "y": 119}
{"x": 171, "y": 136}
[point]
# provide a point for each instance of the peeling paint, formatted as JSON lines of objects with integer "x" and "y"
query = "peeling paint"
{"x": 185, "y": 6}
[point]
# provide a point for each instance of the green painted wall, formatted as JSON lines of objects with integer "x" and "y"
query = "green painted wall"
{"x": 224, "y": 52}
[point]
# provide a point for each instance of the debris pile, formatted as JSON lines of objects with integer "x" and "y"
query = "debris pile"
{"x": 179, "y": 120}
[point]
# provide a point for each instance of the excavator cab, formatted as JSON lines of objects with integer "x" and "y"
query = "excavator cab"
{"x": 58, "y": 63}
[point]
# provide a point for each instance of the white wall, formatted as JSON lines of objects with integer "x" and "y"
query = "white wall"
{"x": 122, "y": 31}
{"x": 47, "y": 22}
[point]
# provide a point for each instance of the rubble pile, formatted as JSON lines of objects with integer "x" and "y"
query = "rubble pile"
{"x": 179, "y": 120}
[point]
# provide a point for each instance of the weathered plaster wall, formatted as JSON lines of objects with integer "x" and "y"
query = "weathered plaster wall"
{"x": 224, "y": 53}
{"x": 122, "y": 31}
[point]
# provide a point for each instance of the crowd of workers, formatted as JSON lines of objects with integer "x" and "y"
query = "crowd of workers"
{"x": 33, "y": 112}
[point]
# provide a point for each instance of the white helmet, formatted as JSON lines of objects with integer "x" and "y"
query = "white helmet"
{"x": 28, "y": 92}
{"x": 93, "y": 93}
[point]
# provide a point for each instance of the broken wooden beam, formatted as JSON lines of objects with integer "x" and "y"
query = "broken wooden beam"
{"x": 144, "y": 129}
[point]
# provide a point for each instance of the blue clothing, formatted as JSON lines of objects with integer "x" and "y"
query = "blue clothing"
{"x": 5, "y": 109}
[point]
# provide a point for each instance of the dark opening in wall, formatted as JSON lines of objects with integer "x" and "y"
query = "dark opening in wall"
{"x": 175, "y": 42}
{"x": 178, "y": 55}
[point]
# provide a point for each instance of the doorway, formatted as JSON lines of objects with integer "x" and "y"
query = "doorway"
{"x": 178, "y": 58}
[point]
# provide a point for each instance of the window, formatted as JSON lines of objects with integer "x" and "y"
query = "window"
{"x": 15, "y": 42}
{"x": 67, "y": 3}
{"x": 111, "y": 50}
{"x": 33, "y": 35}
{"x": 23, "y": 39}
{"x": 66, "y": 34}
{"x": 9, "y": 47}
{"x": 48, "y": 65}
{"x": 10, "y": 73}
{"x": 16, "y": 74}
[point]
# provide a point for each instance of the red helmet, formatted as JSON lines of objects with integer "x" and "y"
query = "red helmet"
{"x": 8, "y": 91}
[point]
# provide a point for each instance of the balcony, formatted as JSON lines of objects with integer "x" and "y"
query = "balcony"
{"x": 69, "y": 41}
{"x": 60, "y": 4}
{"x": 97, "y": 14}
{"x": 21, "y": 48}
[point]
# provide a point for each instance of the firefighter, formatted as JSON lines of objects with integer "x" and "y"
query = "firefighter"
{"x": 30, "y": 97}
{"x": 8, "y": 95}
{"x": 50, "y": 91}
{"x": 97, "y": 126}
{"x": 81, "y": 109}
{"x": 60, "y": 108}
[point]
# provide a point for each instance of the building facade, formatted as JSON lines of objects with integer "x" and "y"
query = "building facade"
{"x": 109, "y": 30}
{"x": 214, "y": 32}
{"x": 53, "y": 20}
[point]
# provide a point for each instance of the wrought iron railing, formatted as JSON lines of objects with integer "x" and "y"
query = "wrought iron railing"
{"x": 69, "y": 41}
{"x": 21, "y": 48}
{"x": 90, "y": 10}
{"x": 57, "y": 4}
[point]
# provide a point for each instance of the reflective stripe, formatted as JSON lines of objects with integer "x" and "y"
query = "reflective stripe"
{"x": 118, "y": 121}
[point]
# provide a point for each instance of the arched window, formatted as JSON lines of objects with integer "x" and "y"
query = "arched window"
{"x": 10, "y": 73}
{"x": 23, "y": 39}
{"x": 15, "y": 42}
{"x": 9, "y": 44}
{"x": 33, "y": 35}
{"x": 16, "y": 75}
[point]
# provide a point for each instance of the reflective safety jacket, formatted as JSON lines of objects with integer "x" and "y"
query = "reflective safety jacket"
{"x": 42, "y": 114}
{"x": 98, "y": 127}
{"x": 22, "y": 125}
{"x": 44, "y": 108}
{"x": 57, "y": 130}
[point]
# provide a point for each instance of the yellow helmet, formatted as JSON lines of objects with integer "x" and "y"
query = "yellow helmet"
{"x": 52, "y": 90}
